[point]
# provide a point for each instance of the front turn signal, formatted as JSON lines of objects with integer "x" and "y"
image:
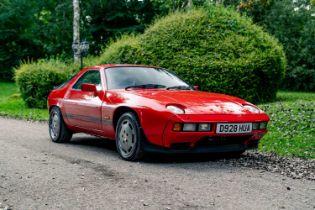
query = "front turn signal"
{"x": 177, "y": 127}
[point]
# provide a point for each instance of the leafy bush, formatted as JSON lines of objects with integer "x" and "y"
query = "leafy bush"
{"x": 36, "y": 80}
{"x": 292, "y": 22}
{"x": 212, "y": 47}
{"x": 121, "y": 51}
{"x": 300, "y": 78}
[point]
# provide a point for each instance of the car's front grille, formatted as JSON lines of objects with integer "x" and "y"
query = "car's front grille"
{"x": 221, "y": 140}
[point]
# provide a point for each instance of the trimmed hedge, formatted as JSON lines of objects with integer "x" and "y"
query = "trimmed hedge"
{"x": 212, "y": 47}
{"x": 36, "y": 80}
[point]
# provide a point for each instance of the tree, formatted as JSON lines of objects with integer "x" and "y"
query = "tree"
{"x": 293, "y": 23}
{"x": 76, "y": 30}
{"x": 16, "y": 18}
{"x": 32, "y": 29}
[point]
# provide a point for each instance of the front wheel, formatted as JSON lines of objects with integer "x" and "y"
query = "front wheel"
{"x": 128, "y": 137}
{"x": 58, "y": 130}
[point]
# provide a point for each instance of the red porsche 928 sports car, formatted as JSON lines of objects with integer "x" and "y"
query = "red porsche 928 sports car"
{"x": 149, "y": 109}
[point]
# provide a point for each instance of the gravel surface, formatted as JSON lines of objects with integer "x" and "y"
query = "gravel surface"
{"x": 88, "y": 174}
{"x": 295, "y": 168}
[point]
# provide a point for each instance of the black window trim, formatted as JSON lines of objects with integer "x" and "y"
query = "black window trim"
{"x": 83, "y": 75}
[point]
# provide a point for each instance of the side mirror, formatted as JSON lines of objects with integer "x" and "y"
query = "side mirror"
{"x": 89, "y": 88}
{"x": 196, "y": 87}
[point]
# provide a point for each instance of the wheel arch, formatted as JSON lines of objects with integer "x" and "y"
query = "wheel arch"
{"x": 52, "y": 106}
{"x": 55, "y": 104}
{"x": 120, "y": 111}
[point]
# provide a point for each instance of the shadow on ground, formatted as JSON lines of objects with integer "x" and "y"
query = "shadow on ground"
{"x": 109, "y": 145}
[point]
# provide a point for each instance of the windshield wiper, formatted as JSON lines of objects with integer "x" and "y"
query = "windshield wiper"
{"x": 145, "y": 86}
{"x": 179, "y": 87}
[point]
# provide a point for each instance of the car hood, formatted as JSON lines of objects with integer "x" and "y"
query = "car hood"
{"x": 194, "y": 102}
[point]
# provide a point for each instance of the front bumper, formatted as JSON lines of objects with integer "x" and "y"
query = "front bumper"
{"x": 171, "y": 137}
{"x": 202, "y": 147}
{"x": 210, "y": 141}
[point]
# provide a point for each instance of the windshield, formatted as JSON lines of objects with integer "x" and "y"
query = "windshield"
{"x": 142, "y": 77}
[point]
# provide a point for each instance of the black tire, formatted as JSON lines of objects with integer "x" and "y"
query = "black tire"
{"x": 129, "y": 137}
{"x": 58, "y": 130}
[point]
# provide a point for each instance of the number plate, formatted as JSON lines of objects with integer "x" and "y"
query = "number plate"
{"x": 231, "y": 128}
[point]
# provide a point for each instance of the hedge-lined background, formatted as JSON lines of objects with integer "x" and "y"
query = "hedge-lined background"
{"x": 221, "y": 50}
{"x": 212, "y": 47}
{"x": 32, "y": 29}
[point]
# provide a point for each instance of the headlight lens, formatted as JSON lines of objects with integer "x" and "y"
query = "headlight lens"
{"x": 263, "y": 125}
{"x": 175, "y": 109}
{"x": 260, "y": 126}
{"x": 256, "y": 126}
{"x": 204, "y": 127}
{"x": 189, "y": 127}
{"x": 252, "y": 109}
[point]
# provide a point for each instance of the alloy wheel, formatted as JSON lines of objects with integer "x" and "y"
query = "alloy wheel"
{"x": 54, "y": 125}
{"x": 127, "y": 138}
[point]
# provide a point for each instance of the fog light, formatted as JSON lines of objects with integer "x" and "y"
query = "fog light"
{"x": 263, "y": 125}
{"x": 189, "y": 127}
{"x": 204, "y": 127}
{"x": 177, "y": 127}
{"x": 256, "y": 126}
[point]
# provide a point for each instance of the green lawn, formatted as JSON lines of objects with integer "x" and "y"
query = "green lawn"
{"x": 12, "y": 105}
{"x": 292, "y": 125}
{"x": 291, "y": 129}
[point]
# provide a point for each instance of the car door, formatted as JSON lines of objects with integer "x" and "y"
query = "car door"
{"x": 82, "y": 108}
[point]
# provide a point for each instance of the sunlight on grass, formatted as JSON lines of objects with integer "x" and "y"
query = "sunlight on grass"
{"x": 293, "y": 96}
{"x": 12, "y": 105}
{"x": 7, "y": 89}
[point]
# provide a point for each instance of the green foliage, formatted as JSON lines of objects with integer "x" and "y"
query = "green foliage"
{"x": 120, "y": 51}
{"x": 106, "y": 19}
{"x": 300, "y": 78}
{"x": 16, "y": 17}
{"x": 32, "y": 29}
{"x": 36, "y": 80}
{"x": 163, "y": 7}
{"x": 7, "y": 89}
{"x": 214, "y": 48}
{"x": 292, "y": 125}
{"x": 293, "y": 23}
{"x": 12, "y": 105}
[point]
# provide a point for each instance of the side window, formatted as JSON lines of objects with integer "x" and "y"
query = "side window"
{"x": 91, "y": 77}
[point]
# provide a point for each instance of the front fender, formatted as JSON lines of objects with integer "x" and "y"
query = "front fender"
{"x": 153, "y": 124}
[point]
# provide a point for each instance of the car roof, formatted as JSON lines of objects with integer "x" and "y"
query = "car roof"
{"x": 118, "y": 65}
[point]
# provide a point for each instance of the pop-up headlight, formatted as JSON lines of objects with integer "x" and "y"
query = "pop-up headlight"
{"x": 175, "y": 109}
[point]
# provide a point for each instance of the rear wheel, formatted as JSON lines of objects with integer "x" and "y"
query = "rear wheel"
{"x": 128, "y": 137}
{"x": 58, "y": 130}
